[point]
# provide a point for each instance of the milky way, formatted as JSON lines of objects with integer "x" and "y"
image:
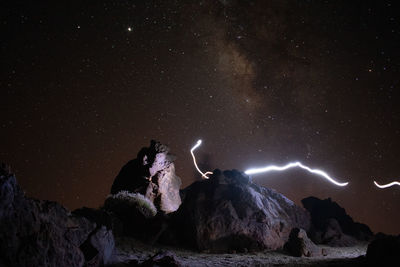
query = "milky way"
{"x": 85, "y": 85}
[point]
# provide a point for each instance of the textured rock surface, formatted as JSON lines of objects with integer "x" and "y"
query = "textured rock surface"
{"x": 384, "y": 250}
{"x": 229, "y": 213}
{"x": 331, "y": 224}
{"x": 43, "y": 233}
{"x": 300, "y": 245}
{"x": 151, "y": 174}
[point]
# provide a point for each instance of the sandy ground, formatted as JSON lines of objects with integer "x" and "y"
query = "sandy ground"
{"x": 130, "y": 249}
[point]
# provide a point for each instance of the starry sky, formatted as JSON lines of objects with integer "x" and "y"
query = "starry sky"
{"x": 85, "y": 84}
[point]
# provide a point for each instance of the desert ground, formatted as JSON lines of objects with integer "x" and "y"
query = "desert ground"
{"x": 131, "y": 252}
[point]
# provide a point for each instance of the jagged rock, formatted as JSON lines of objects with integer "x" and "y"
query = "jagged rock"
{"x": 300, "y": 245}
{"x": 42, "y": 233}
{"x": 331, "y": 225}
{"x": 230, "y": 213}
{"x": 151, "y": 174}
{"x": 384, "y": 250}
{"x": 163, "y": 259}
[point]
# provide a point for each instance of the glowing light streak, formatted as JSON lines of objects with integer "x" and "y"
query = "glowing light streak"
{"x": 293, "y": 165}
{"x": 387, "y": 185}
{"x": 203, "y": 175}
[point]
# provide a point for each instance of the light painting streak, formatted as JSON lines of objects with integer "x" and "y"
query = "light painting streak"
{"x": 387, "y": 185}
{"x": 292, "y": 165}
{"x": 203, "y": 175}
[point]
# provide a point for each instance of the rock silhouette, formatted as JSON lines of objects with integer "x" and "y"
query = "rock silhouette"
{"x": 43, "y": 233}
{"x": 331, "y": 224}
{"x": 384, "y": 250}
{"x": 226, "y": 213}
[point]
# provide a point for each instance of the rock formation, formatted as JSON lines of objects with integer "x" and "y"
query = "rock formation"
{"x": 151, "y": 174}
{"x": 43, "y": 233}
{"x": 384, "y": 250}
{"x": 230, "y": 213}
{"x": 300, "y": 245}
{"x": 331, "y": 225}
{"x": 226, "y": 213}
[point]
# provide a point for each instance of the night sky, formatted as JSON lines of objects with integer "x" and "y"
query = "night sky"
{"x": 85, "y": 84}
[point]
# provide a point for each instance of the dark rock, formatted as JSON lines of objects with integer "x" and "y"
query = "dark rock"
{"x": 41, "y": 233}
{"x": 151, "y": 174}
{"x": 331, "y": 225}
{"x": 136, "y": 216}
{"x": 227, "y": 212}
{"x": 300, "y": 245}
{"x": 133, "y": 210}
{"x": 334, "y": 236}
{"x": 163, "y": 259}
{"x": 99, "y": 247}
{"x": 384, "y": 250}
{"x": 101, "y": 217}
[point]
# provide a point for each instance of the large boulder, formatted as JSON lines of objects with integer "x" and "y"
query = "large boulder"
{"x": 384, "y": 250}
{"x": 151, "y": 174}
{"x": 44, "y": 233}
{"x": 230, "y": 213}
{"x": 300, "y": 245}
{"x": 331, "y": 225}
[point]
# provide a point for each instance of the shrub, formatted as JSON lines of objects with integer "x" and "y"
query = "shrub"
{"x": 125, "y": 200}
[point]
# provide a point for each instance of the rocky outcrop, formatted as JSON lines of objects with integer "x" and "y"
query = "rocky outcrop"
{"x": 229, "y": 213}
{"x": 299, "y": 245}
{"x": 384, "y": 250}
{"x": 43, "y": 233}
{"x": 331, "y": 225}
{"x": 151, "y": 174}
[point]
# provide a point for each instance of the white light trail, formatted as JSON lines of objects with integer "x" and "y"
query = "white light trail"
{"x": 203, "y": 175}
{"x": 387, "y": 185}
{"x": 292, "y": 165}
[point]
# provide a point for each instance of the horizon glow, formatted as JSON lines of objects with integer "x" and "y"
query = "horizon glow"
{"x": 387, "y": 185}
{"x": 203, "y": 175}
{"x": 293, "y": 165}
